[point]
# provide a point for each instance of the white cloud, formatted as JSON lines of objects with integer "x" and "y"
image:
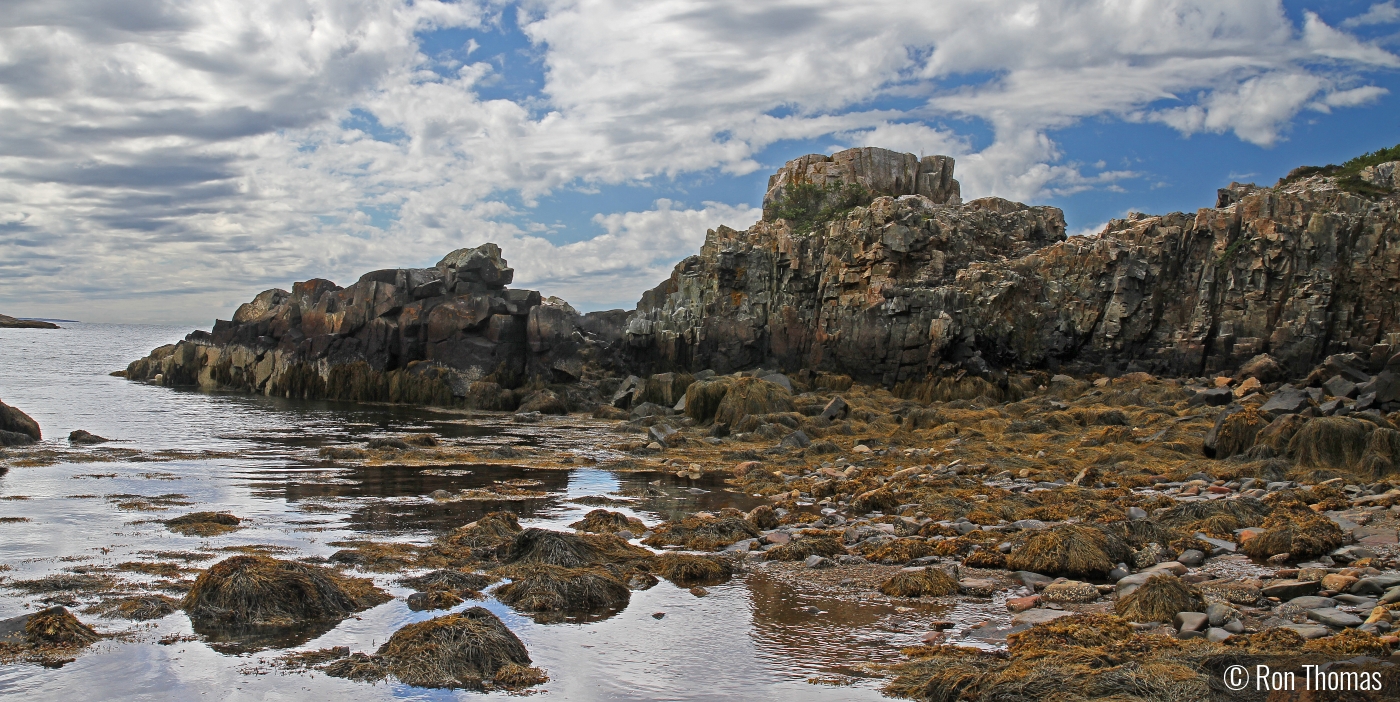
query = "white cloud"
{"x": 163, "y": 159}
{"x": 1379, "y": 13}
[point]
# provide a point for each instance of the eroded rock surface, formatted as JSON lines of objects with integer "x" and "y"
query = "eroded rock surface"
{"x": 867, "y": 263}
{"x": 907, "y": 286}
{"x": 451, "y": 333}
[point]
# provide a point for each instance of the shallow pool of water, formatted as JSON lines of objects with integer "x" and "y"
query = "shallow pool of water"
{"x": 751, "y": 638}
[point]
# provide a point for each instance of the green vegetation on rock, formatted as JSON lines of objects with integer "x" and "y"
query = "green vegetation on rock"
{"x": 806, "y": 205}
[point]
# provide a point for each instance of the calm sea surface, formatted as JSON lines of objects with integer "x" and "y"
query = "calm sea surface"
{"x": 749, "y": 639}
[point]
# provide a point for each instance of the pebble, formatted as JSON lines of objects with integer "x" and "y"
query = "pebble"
{"x": 1191, "y": 558}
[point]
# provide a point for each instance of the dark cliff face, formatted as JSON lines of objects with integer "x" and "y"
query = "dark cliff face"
{"x": 859, "y": 296}
{"x": 906, "y": 287}
{"x": 413, "y": 335}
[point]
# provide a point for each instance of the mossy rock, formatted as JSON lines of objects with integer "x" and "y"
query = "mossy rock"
{"x": 1336, "y": 443}
{"x": 920, "y": 582}
{"x": 1158, "y": 600}
{"x": 1069, "y": 550}
{"x": 264, "y": 591}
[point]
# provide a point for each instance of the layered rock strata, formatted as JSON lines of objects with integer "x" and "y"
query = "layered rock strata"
{"x": 442, "y": 335}
{"x": 908, "y": 286}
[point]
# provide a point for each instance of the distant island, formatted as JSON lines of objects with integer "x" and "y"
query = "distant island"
{"x": 7, "y": 322}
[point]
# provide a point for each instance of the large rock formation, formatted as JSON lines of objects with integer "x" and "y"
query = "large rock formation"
{"x": 909, "y": 286}
{"x": 449, "y": 334}
{"x": 866, "y": 263}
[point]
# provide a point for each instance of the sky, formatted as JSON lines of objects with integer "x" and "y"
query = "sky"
{"x": 163, "y": 161}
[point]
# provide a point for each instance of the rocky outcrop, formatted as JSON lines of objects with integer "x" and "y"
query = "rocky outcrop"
{"x": 875, "y": 172}
{"x": 866, "y": 264}
{"x": 17, "y": 428}
{"x": 8, "y": 322}
{"x": 906, "y": 287}
{"x": 451, "y": 334}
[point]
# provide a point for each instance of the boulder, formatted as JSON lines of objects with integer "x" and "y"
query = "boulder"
{"x": 1234, "y": 432}
{"x": 1312, "y": 602}
{"x": 1338, "y": 386}
{"x": 545, "y": 402}
{"x": 1375, "y": 585}
{"x": 1385, "y": 385}
{"x": 1308, "y": 631}
{"x": 1214, "y": 397}
{"x": 835, "y": 409}
{"x": 22, "y": 425}
{"x": 1263, "y": 368}
{"x": 1287, "y": 400}
{"x": 1278, "y": 433}
{"x": 1190, "y": 621}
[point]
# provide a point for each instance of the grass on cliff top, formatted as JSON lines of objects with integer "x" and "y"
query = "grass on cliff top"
{"x": 1347, "y": 174}
{"x": 807, "y": 206}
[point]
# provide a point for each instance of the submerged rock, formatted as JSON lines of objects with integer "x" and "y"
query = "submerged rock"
{"x": 203, "y": 523}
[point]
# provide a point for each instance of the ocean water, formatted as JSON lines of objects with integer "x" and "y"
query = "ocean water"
{"x": 751, "y": 638}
